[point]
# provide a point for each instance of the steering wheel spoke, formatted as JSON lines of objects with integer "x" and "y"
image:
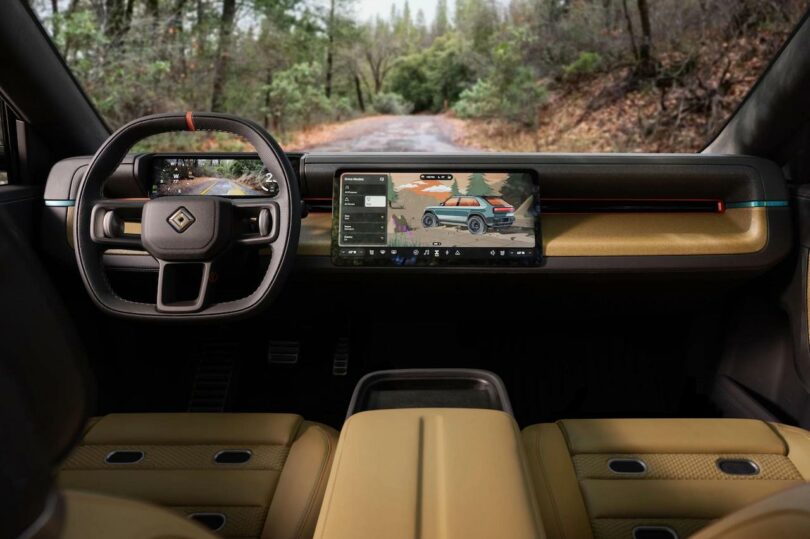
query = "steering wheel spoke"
{"x": 117, "y": 222}
{"x": 256, "y": 222}
{"x": 182, "y": 286}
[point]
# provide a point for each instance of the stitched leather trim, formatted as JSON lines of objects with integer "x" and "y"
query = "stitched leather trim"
{"x": 323, "y": 475}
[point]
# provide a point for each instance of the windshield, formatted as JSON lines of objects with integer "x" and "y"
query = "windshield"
{"x": 428, "y": 75}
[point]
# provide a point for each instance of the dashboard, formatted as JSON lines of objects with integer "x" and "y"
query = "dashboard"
{"x": 486, "y": 213}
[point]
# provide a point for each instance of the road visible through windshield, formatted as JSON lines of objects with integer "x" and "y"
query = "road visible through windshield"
{"x": 421, "y": 133}
{"x": 432, "y": 75}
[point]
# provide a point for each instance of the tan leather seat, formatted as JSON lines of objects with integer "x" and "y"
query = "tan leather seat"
{"x": 681, "y": 486}
{"x": 785, "y": 515}
{"x": 275, "y": 494}
{"x": 89, "y": 515}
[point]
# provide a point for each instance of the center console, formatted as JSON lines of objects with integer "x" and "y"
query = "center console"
{"x": 430, "y": 473}
{"x": 436, "y": 218}
{"x": 431, "y": 453}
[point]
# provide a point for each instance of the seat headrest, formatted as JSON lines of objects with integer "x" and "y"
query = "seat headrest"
{"x": 43, "y": 394}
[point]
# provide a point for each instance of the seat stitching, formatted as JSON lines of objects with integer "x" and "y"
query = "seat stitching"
{"x": 775, "y": 429}
{"x": 561, "y": 426}
{"x": 296, "y": 433}
{"x": 312, "y": 495}
{"x": 548, "y": 489}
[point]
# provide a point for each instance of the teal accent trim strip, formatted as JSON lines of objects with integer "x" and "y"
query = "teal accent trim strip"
{"x": 60, "y": 203}
{"x": 758, "y": 204}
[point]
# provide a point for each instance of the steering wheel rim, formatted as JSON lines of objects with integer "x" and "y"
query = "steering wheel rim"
{"x": 90, "y": 243}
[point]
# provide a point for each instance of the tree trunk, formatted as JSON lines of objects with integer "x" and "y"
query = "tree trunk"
{"x": 360, "y": 103}
{"x": 128, "y": 17}
{"x": 630, "y": 32}
{"x": 267, "y": 104}
{"x": 330, "y": 50}
{"x": 114, "y": 19}
{"x": 223, "y": 52}
{"x": 118, "y": 16}
{"x": 646, "y": 62}
{"x": 68, "y": 43}
{"x": 55, "y": 18}
{"x": 607, "y": 13}
{"x": 153, "y": 10}
{"x": 176, "y": 21}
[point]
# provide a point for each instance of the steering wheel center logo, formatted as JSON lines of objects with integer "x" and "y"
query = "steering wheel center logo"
{"x": 181, "y": 219}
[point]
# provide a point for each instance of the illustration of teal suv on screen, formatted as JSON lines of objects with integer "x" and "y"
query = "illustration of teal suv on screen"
{"x": 477, "y": 213}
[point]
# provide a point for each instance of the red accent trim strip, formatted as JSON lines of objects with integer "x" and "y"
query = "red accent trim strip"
{"x": 190, "y": 121}
{"x": 630, "y": 199}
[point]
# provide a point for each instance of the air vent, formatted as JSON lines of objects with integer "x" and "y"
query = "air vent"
{"x": 124, "y": 457}
{"x": 627, "y": 466}
{"x": 654, "y": 532}
{"x": 212, "y": 521}
{"x": 738, "y": 467}
{"x": 585, "y": 205}
{"x": 233, "y": 456}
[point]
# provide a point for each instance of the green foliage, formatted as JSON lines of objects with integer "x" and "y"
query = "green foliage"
{"x": 283, "y": 57}
{"x": 478, "y": 185}
{"x": 410, "y": 80}
{"x": 393, "y": 196}
{"x": 585, "y": 66}
{"x": 391, "y": 103}
{"x": 434, "y": 78}
{"x": 509, "y": 90}
{"x": 295, "y": 96}
{"x": 239, "y": 167}
{"x": 479, "y": 22}
{"x": 454, "y": 190}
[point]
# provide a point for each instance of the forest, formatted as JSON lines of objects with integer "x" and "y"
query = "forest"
{"x": 518, "y": 75}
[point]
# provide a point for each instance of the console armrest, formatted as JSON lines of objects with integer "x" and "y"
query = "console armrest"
{"x": 429, "y": 473}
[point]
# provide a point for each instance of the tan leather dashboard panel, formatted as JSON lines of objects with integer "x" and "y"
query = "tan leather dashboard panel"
{"x": 429, "y": 473}
{"x": 736, "y": 231}
{"x": 316, "y": 235}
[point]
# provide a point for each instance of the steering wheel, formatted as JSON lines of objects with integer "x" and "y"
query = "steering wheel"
{"x": 186, "y": 234}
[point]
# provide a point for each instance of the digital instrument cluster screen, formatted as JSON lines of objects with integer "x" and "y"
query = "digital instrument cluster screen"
{"x": 424, "y": 218}
{"x": 228, "y": 177}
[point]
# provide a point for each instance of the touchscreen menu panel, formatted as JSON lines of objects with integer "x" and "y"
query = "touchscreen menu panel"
{"x": 411, "y": 218}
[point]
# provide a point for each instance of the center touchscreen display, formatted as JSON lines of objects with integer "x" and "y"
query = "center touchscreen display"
{"x": 419, "y": 218}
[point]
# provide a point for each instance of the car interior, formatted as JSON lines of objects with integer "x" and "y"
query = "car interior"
{"x": 593, "y": 346}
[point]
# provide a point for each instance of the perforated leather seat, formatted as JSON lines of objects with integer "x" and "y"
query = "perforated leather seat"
{"x": 627, "y": 478}
{"x": 246, "y": 475}
{"x": 44, "y": 404}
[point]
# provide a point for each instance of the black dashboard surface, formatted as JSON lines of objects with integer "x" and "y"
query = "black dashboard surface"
{"x": 600, "y": 212}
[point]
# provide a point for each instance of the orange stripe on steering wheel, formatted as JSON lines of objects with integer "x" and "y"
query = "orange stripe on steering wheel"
{"x": 190, "y": 121}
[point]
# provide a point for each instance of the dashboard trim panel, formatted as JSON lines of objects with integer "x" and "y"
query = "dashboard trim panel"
{"x": 751, "y": 235}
